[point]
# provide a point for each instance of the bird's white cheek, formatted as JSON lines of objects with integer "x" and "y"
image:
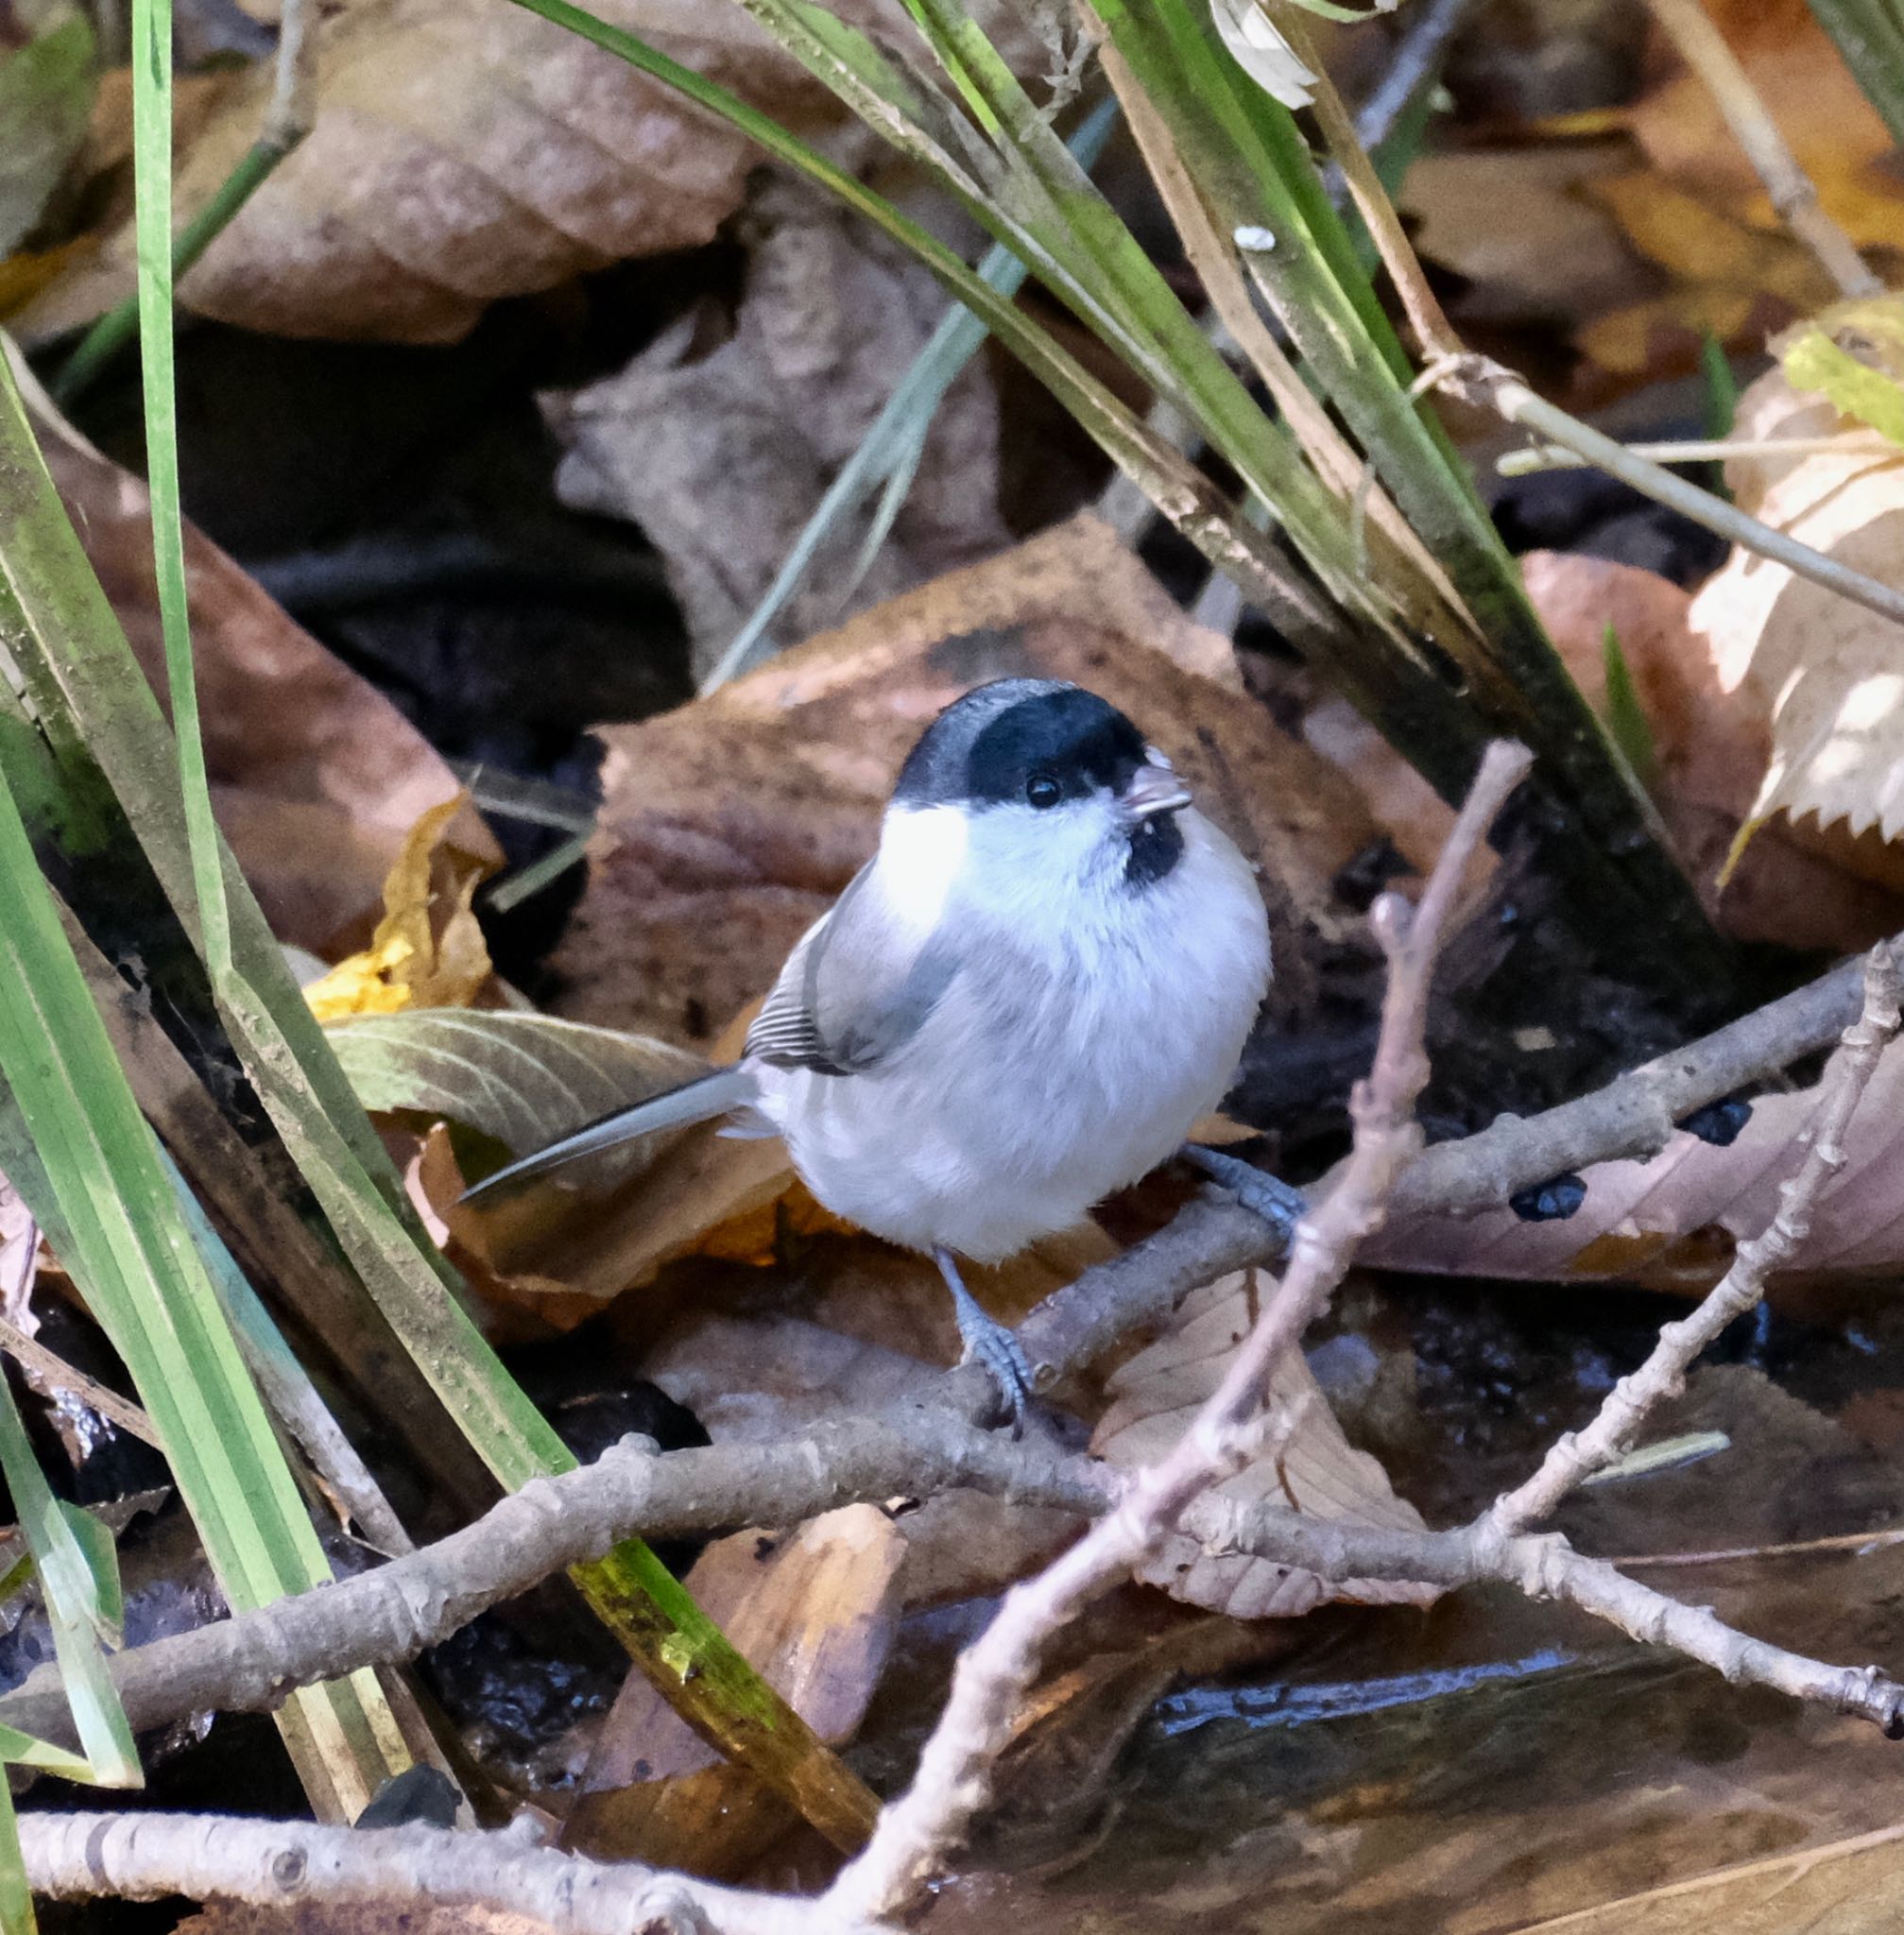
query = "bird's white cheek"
{"x": 921, "y": 851}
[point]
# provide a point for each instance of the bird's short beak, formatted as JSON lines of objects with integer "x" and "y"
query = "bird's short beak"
{"x": 1154, "y": 789}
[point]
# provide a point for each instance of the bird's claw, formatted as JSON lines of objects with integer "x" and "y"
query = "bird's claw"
{"x": 1263, "y": 1195}
{"x": 998, "y": 1349}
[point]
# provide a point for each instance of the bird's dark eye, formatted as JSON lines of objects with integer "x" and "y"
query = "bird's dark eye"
{"x": 1041, "y": 789}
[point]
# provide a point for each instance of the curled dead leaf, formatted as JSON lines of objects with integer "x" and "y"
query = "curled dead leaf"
{"x": 1315, "y": 1471}
{"x": 428, "y": 950}
{"x": 1710, "y": 747}
{"x": 721, "y": 455}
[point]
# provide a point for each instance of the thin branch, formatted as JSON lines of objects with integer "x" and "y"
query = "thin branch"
{"x": 390, "y": 1613}
{"x": 1481, "y": 381}
{"x": 1544, "y": 1566}
{"x": 1633, "y": 1117}
{"x": 288, "y": 1864}
{"x": 1697, "y": 450}
{"x": 1705, "y": 50}
{"x": 1576, "y": 1455}
{"x": 50, "y": 1373}
{"x": 248, "y": 1664}
{"x": 995, "y": 1674}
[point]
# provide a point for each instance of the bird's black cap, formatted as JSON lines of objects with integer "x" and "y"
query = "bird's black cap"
{"x": 986, "y": 748}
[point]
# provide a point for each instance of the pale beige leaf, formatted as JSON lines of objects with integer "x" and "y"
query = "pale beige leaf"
{"x": 1317, "y": 1472}
{"x": 1675, "y": 1218}
{"x": 463, "y": 151}
{"x": 524, "y": 1079}
{"x": 1827, "y": 675}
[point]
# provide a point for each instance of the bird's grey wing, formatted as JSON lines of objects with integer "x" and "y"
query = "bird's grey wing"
{"x": 855, "y": 989}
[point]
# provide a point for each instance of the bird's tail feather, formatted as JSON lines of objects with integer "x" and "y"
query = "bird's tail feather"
{"x": 698, "y": 1101}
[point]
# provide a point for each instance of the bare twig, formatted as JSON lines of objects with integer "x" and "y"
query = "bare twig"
{"x": 248, "y": 1664}
{"x": 1481, "y": 381}
{"x": 1577, "y": 1454}
{"x": 1633, "y": 1117}
{"x": 51, "y": 1374}
{"x": 1705, "y": 50}
{"x": 1545, "y": 1566}
{"x": 286, "y": 1864}
{"x": 994, "y": 1674}
{"x": 1698, "y": 450}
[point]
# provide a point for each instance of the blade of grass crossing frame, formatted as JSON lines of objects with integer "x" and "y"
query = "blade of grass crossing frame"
{"x": 78, "y": 1567}
{"x": 347, "y": 1741}
{"x": 23, "y": 1750}
{"x": 152, "y": 187}
{"x": 103, "y": 1195}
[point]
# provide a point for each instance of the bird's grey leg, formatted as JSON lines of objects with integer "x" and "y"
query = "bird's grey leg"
{"x": 1263, "y": 1195}
{"x": 987, "y": 1341}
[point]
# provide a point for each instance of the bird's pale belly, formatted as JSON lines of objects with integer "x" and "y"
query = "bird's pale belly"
{"x": 984, "y": 1158}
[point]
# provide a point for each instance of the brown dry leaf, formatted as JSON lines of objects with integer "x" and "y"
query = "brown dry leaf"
{"x": 815, "y": 1610}
{"x": 1821, "y": 671}
{"x": 1700, "y": 210}
{"x": 316, "y": 777}
{"x": 1712, "y": 746}
{"x": 462, "y": 152}
{"x": 1731, "y": 281}
{"x": 1814, "y": 97}
{"x": 1674, "y": 1221}
{"x": 1317, "y": 1472}
{"x": 566, "y": 1255}
{"x": 722, "y": 456}
{"x": 727, "y": 827}
{"x": 1561, "y": 256}
{"x": 428, "y": 950}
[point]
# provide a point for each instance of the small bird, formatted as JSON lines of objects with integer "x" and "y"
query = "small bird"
{"x": 1019, "y": 1004}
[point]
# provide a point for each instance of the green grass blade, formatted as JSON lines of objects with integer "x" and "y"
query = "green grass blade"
{"x": 347, "y": 1741}
{"x": 79, "y": 1583}
{"x": 152, "y": 183}
{"x": 16, "y": 1897}
{"x": 101, "y": 1193}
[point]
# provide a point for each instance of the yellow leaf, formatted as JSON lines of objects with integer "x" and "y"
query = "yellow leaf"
{"x": 428, "y": 950}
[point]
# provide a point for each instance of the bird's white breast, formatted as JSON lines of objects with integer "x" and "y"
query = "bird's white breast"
{"x": 1067, "y": 1057}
